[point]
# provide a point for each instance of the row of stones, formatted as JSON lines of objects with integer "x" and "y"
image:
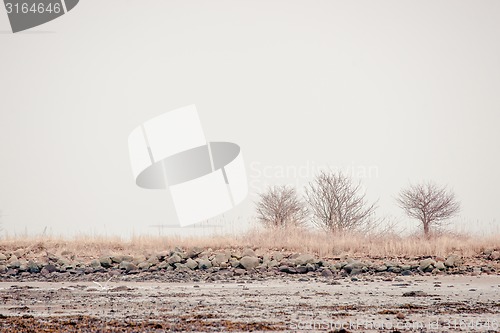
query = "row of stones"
{"x": 196, "y": 258}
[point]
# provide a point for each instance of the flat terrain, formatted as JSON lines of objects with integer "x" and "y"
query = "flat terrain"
{"x": 446, "y": 303}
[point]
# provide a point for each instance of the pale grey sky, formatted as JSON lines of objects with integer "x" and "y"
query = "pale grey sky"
{"x": 406, "y": 91}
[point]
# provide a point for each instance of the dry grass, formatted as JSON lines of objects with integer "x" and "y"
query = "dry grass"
{"x": 292, "y": 240}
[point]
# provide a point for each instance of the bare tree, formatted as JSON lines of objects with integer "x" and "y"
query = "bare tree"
{"x": 280, "y": 207}
{"x": 338, "y": 204}
{"x": 429, "y": 203}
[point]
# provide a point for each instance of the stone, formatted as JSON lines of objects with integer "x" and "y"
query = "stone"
{"x": 191, "y": 264}
{"x": 14, "y": 264}
{"x": 248, "y": 253}
{"x": 3, "y": 257}
{"x": 406, "y": 272}
{"x": 11, "y": 272}
{"x": 220, "y": 258}
{"x": 163, "y": 265}
{"x": 304, "y": 259}
{"x": 453, "y": 260}
{"x": 278, "y": 256}
{"x": 440, "y": 265}
{"x": 204, "y": 264}
{"x": 394, "y": 269}
{"x": 50, "y": 268}
{"x": 326, "y": 273}
{"x": 175, "y": 258}
{"x": 12, "y": 258}
{"x": 105, "y": 261}
{"x": 248, "y": 262}
{"x": 3, "y": 269}
{"x": 353, "y": 265}
{"x": 273, "y": 263}
{"x": 119, "y": 258}
{"x": 356, "y": 271}
{"x": 390, "y": 264}
{"x": 95, "y": 263}
{"x": 161, "y": 255}
{"x": 193, "y": 252}
{"x": 495, "y": 255}
{"x": 19, "y": 252}
{"x": 311, "y": 267}
{"x": 381, "y": 268}
{"x": 400, "y": 315}
{"x": 234, "y": 262}
{"x": 144, "y": 265}
{"x": 128, "y": 266}
{"x": 301, "y": 269}
{"x": 426, "y": 263}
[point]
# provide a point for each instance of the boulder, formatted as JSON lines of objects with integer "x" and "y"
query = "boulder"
{"x": 193, "y": 252}
{"x": 3, "y": 257}
{"x": 95, "y": 263}
{"x": 304, "y": 259}
{"x": 248, "y": 262}
{"x": 105, "y": 261}
{"x": 3, "y": 269}
{"x": 248, "y": 253}
{"x": 426, "y": 263}
{"x": 453, "y": 260}
{"x": 440, "y": 265}
{"x": 204, "y": 263}
{"x": 191, "y": 264}
{"x": 50, "y": 268}
{"x": 353, "y": 265}
{"x": 175, "y": 258}
{"x": 495, "y": 255}
{"x": 128, "y": 266}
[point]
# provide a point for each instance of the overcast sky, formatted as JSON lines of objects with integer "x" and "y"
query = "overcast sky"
{"x": 391, "y": 91}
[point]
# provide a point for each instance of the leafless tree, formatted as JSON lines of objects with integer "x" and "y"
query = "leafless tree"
{"x": 429, "y": 203}
{"x": 280, "y": 207}
{"x": 338, "y": 205}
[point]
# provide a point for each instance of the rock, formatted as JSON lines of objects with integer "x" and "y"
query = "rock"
{"x": 248, "y": 253}
{"x": 304, "y": 259}
{"x": 273, "y": 263}
{"x": 95, "y": 263}
{"x": 400, "y": 315}
{"x": 416, "y": 293}
{"x": 3, "y": 257}
{"x": 191, "y": 264}
{"x": 440, "y": 265}
{"x": 181, "y": 267}
{"x": 286, "y": 269}
{"x": 394, "y": 269}
{"x": 426, "y": 263}
{"x": 3, "y": 269}
{"x": 453, "y": 260}
{"x": 495, "y": 255}
{"x": 248, "y": 262}
{"x": 144, "y": 265}
{"x": 356, "y": 271}
{"x": 278, "y": 256}
{"x": 12, "y": 258}
{"x": 193, "y": 252}
{"x": 381, "y": 268}
{"x": 161, "y": 255}
{"x": 50, "y": 268}
{"x": 19, "y": 252}
{"x": 119, "y": 258}
{"x": 353, "y": 265}
{"x": 105, "y": 261}
{"x": 175, "y": 258}
{"x": 301, "y": 269}
{"x": 220, "y": 258}
{"x": 204, "y": 264}
{"x": 390, "y": 264}
{"x": 14, "y": 264}
{"x": 405, "y": 267}
{"x": 326, "y": 273}
{"x": 311, "y": 267}
{"x": 406, "y": 272}
{"x": 11, "y": 272}
{"x": 128, "y": 266}
{"x": 163, "y": 265}
{"x": 439, "y": 258}
{"x": 138, "y": 259}
{"x": 234, "y": 262}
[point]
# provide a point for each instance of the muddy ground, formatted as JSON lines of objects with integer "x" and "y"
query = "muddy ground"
{"x": 449, "y": 303}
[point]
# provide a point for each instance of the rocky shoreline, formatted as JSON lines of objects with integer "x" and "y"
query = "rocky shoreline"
{"x": 197, "y": 263}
